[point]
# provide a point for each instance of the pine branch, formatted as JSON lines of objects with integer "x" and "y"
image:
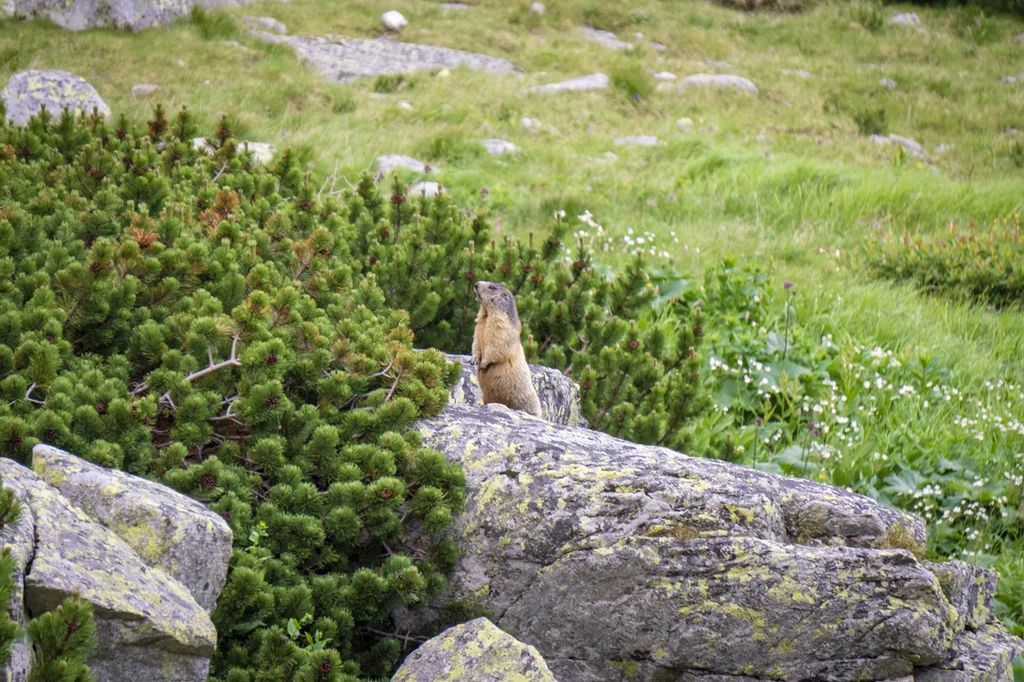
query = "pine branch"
{"x": 232, "y": 361}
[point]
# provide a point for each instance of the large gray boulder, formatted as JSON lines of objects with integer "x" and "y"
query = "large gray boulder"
{"x": 166, "y": 529}
{"x": 128, "y": 15}
{"x": 19, "y": 540}
{"x": 149, "y": 625}
{"x": 350, "y": 58}
{"x": 559, "y": 395}
{"x": 621, "y": 561}
{"x": 476, "y": 651}
{"x": 27, "y": 92}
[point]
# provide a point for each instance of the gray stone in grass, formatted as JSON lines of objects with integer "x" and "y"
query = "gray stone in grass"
{"x": 719, "y": 81}
{"x": 595, "y": 81}
{"x": 27, "y": 92}
{"x": 344, "y": 59}
{"x": 906, "y": 19}
{"x": 266, "y": 23}
{"x": 499, "y": 147}
{"x": 427, "y": 188}
{"x": 606, "y": 38}
{"x": 637, "y": 141}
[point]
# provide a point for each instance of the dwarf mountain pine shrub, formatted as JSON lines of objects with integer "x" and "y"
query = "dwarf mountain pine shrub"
{"x": 223, "y": 328}
{"x": 634, "y": 359}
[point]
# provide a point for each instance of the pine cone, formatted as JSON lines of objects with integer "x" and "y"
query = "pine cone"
{"x": 272, "y": 403}
{"x": 209, "y": 482}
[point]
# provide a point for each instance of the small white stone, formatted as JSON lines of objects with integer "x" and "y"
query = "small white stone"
{"x": 665, "y": 76}
{"x": 430, "y": 189}
{"x": 888, "y": 83}
{"x": 444, "y": 73}
{"x": 537, "y": 7}
{"x": 799, "y": 73}
{"x": 404, "y": 105}
{"x": 394, "y": 21}
{"x": 685, "y": 123}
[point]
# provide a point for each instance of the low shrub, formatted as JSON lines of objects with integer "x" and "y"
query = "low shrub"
{"x": 986, "y": 266}
{"x": 247, "y": 338}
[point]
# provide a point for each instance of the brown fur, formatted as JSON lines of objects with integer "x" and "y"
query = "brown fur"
{"x": 498, "y": 353}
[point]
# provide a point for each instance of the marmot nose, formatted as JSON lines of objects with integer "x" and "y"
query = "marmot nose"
{"x": 476, "y": 287}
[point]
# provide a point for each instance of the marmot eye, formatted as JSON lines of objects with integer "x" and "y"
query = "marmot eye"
{"x": 492, "y": 287}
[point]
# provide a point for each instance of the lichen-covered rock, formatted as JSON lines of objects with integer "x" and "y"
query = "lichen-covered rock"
{"x": 620, "y": 561}
{"x": 350, "y": 58}
{"x": 28, "y": 92}
{"x": 982, "y": 655}
{"x": 149, "y": 626}
{"x": 166, "y": 529}
{"x": 970, "y": 590}
{"x": 128, "y": 15}
{"x": 559, "y": 395}
{"x": 19, "y": 539}
{"x": 476, "y": 651}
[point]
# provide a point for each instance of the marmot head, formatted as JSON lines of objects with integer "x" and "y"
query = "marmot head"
{"x": 494, "y": 296}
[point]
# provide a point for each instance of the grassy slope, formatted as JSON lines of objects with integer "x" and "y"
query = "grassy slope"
{"x": 813, "y": 186}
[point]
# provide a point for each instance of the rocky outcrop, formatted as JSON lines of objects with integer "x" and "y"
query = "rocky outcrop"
{"x": 559, "y": 395}
{"x": 149, "y": 624}
{"x": 477, "y": 651}
{"x": 621, "y": 561}
{"x": 164, "y": 528}
{"x": 347, "y": 59}
{"x": 28, "y": 92}
{"x": 128, "y": 15}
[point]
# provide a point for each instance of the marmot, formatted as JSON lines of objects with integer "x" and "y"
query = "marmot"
{"x": 498, "y": 353}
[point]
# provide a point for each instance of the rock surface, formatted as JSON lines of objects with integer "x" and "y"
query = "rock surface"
{"x": 537, "y": 7}
{"x": 718, "y": 81}
{"x": 144, "y": 89}
{"x": 622, "y": 561}
{"x": 28, "y": 92}
{"x": 476, "y": 651}
{"x": 164, "y": 528}
{"x": 392, "y": 162}
{"x": 266, "y": 23}
{"x": 637, "y": 141}
{"x": 913, "y": 147}
{"x": 353, "y": 58}
{"x": 595, "y": 81}
{"x": 606, "y": 38}
{"x": 20, "y": 540}
{"x": 499, "y": 147}
{"x": 262, "y": 153}
{"x": 149, "y": 625}
{"x": 426, "y": 188}
{"x": 906, "y": 19}
{"x": 559, "y": 395}
{"x": 887, "y": 83}
{"x": 127, "y": 15}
